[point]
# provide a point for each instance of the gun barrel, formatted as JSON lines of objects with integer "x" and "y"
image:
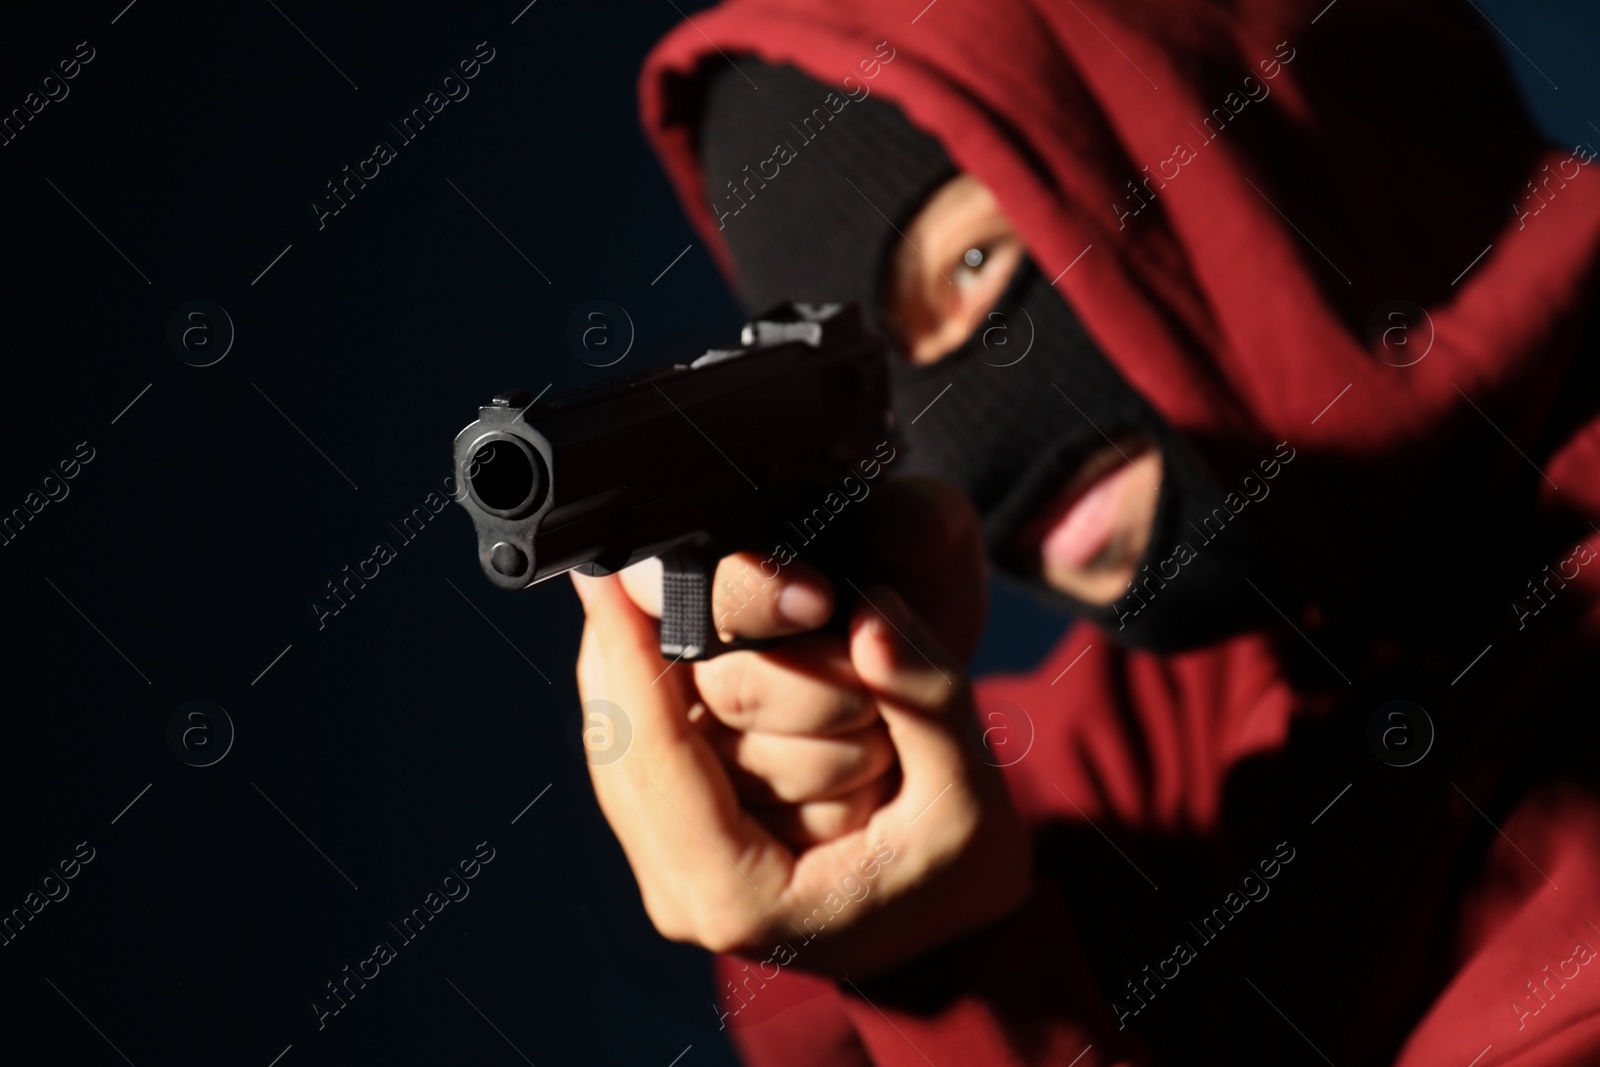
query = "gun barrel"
{"x": 701, "y": 456}
{"x": 506, "y": 475}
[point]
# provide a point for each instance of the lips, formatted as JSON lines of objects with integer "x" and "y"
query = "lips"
{"x": 1078, "y": 525}
{"x": 1084, "y": 530}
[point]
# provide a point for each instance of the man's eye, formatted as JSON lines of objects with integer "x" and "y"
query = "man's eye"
{"x": 969, "y": 271}
{"x": 942, "y": 281}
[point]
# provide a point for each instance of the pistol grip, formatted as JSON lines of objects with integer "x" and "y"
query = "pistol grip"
{"x": 688, "y": 577}
{"x": 688, "y": 630}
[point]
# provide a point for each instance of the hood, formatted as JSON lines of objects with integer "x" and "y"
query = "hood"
{"x": 1338, "y": 233}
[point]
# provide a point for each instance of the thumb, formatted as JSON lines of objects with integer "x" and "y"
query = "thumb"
{"x": 953, "y": 809}
{"x": 922, "y": 692}
{"x": 619, "y": 661}
{"x": 667, "y": 791}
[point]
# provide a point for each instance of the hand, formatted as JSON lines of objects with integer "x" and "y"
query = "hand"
{"x": 821, "y": 794}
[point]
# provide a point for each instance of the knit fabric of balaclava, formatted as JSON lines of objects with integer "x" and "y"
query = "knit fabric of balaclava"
{"x": 812, "y": 188}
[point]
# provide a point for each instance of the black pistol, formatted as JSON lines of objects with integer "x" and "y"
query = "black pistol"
{"x": 743, "y": 448}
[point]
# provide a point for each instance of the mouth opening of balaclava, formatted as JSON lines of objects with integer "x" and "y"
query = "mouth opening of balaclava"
{"x": 811, "y": 189}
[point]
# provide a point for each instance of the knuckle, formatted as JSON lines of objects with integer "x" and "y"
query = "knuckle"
{"x": 747, "y": 690}
{"x": 715, "y": 940}
{"x": 676, "y": 930}
{"x": 932, "y": 692}
{"x": 727, "y": 929}
{"x": 835, "y": 769}
{"x": 850, "y": 704}
{"x": 850, "y": 709}
{"x": 874, "y": 756}
{"x": 952, "y": 695}
{"x": 666, "y": 918}
{"x": 724, "y": 685}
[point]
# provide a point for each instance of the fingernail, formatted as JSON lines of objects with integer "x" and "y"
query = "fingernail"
{"x": 803, "y": 605}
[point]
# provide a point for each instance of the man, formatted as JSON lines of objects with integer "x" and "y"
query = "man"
{"x": 1285, "y": 381}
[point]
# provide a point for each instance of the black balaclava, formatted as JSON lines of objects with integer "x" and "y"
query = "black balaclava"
{"x": 811, "y": 187}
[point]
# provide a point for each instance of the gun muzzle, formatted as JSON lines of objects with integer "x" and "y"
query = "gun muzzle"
{"x": 506, "y": 476}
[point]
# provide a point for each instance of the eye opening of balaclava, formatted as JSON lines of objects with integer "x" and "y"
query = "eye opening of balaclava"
{"x": 811, "y": 189}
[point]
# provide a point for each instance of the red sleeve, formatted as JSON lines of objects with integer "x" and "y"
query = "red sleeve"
{"x": 791, "y": 1019}
{"x": 1143, "y": 744}
{"x": 1015, "y": 993}
{"x": 1141, "y": 740}
{"x": 1526, "y": 991}
{"x": 1125, "y": 742}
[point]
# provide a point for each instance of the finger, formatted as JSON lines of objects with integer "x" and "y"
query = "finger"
{"x": 786, "y": 769}
{"x": 952, "y": 811}
{"x": 930, "y": 539}
{"x": 921, "y": 691}
{"x": 804, "y": 686}
{"x": 669, "y": 795}
{"x": 751, "y": 595}
{"x": 618, "y": 648}
{"x": 801, "y": 826}
{"x": 896, "y": 655}
{"x": 642, "y": 582}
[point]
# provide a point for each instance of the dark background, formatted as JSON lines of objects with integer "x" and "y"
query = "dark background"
{"x": 383, "y": 748}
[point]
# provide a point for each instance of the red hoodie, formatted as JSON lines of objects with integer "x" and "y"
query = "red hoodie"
{"x": 1330, "y": 248}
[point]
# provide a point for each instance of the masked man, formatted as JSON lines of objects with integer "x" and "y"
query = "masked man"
{"x": 1254, "y": 337}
